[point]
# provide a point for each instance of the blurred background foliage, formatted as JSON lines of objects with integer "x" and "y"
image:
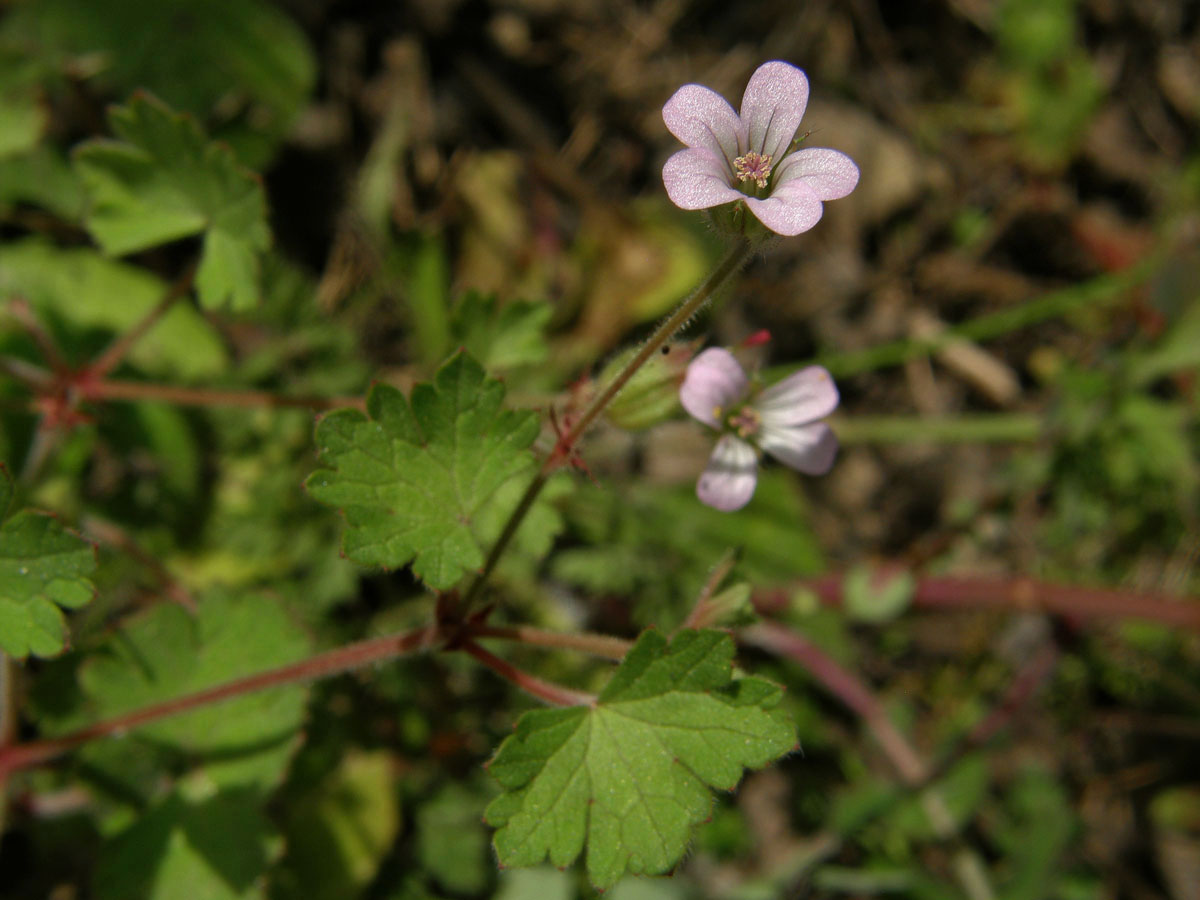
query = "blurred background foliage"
{"x": 1009, "y": 301}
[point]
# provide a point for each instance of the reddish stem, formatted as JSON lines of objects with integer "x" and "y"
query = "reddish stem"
{"x": 566, "y": 445}
{"x": 702, "y": 611}
{"x": 117, "y": 350}
{"x": 546, "y": 691}
{"x": 847, "y": 687}
{"x": 110, "y": 389}
{"x": 352, "y": 656}
{"x": 1021, "y": 594}
{"x": 116, "y": 537}
{"x": 601, "y": 645}
{"x": 20, "y": 310}
{"x": 1033, "y": 675}
{"x": 35, "y": 377}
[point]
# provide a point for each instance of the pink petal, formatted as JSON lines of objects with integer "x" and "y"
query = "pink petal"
{"x": 773, "y": 106}
{"x": 806, "y": 396}
{"x": 791, "y": 208}
{"x": 728, "y": 482}
{"x": 806, "y": 448}
{"x": 713, "y": 383}
{"x": 697, "y": 179}
{"x": 829, "y": 173}
{"x": 700, "y": 117}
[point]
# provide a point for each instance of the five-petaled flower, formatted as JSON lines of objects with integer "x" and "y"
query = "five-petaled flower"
{"x": 732, "y": 157}
{"x": 781, "y": 420}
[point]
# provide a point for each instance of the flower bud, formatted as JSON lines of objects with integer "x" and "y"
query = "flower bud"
{"x": 731, "y": 608}
{"x": 652, "y": 394}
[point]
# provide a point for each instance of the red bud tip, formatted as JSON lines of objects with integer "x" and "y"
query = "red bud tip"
{"x": 757, "y": 339}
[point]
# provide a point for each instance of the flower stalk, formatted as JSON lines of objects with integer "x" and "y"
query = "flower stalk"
{"x": 736, "y": 257}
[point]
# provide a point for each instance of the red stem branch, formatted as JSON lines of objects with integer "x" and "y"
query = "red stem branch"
{"x": 109, "y": 533}
{"x": 601, "y": 645}
{"x": 546, "y": 691}
{"x": 332, "y": 662}
{"x": 116, "y": 351}
{"x": 846, "y": 687}
{"x": 110, "y": 389}
{"x": 27, "y": 373}
{"x": 20, "y": 310}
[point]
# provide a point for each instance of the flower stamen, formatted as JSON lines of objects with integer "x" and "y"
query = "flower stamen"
{"x": 754, "y": 166}
{"x": 746, "y": 423}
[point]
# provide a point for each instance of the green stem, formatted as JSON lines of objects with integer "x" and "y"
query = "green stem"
{"x": 1098, "y": 291}
{"x": 729, "y": 265}
{"x": 996, "y": 428}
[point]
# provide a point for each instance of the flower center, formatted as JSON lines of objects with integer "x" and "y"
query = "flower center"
{"x": 746, "y": 422}
{"x": 753, "y": 167}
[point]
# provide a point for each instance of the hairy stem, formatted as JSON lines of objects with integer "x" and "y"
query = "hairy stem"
{"x": 602, "y": 645}
{"x": 332, "y": 662}
{"x": 19, "y": 309}
{"x": 546, "y": 691}
{"x": 105, "y": 532}
{"x": 117, "y": 350}
{"x": 26, "y": 372}
{"x": 729, "y": 265}
{"x": 702, "y": 610}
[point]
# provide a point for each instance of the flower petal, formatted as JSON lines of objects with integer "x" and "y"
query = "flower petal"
{"x": 697, "y": 179}
{"x": 700, "y": 117}
{"x": 804, "y": 397}
{"x": 713, "y": 383}
{"x": 773, "y": 106}
{"x": 791, "y": 208}
{"x": 806, "y": 448}
{"x": 830, "y": 173}
{"x": 728, "y": 482}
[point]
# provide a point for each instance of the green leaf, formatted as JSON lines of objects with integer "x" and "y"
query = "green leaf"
{"x": 167, "y": 653}
{"x": 414, "y": 478}
{"x": 6, "y": 491}
{"x": 339, "y": 833}
{"x": 630, "y": 775}
{"x": 451, "y": 842}
{"x": 243, "y": 66}
{"x": 43, "y": 566}
{"x": 501, "y": 336}
{"x": 42, "y": 177}
{"x": 22, "y": 116}
{"x": 195, "y": 843}
{"x": 83, "y": 289}
{"x": 165, "y": 180}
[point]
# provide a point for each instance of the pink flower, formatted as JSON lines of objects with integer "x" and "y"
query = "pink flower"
{"x": 732, "y": 157}
{"x": 781, "y": 420}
